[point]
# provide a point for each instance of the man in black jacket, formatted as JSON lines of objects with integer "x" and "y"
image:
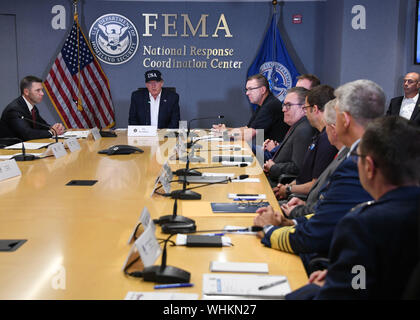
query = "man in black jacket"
{"x": 408, "y": 105}
{"x": 289, "y": 157}
{"x": 268, "y": 115}
{"x": 22, "y": 116}
{"x": 155, "y": 106}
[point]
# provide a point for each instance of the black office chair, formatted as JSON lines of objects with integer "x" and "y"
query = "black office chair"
{"x": 6, "y": 136}
{"x": 412, "y": 290}
{"x": 173, "y": 89}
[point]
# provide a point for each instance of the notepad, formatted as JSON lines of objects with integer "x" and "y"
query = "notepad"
{"x": 250, "y": 267}
{"x": 245, "y": 285}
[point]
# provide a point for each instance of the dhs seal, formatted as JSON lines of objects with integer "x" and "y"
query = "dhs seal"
{"x": 278, "y": 77}
{"x": 114, "y": 38}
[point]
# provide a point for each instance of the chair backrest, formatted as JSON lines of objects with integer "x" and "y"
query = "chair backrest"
{"x": 173, "y": 89}
{"x": 4, "y": 130}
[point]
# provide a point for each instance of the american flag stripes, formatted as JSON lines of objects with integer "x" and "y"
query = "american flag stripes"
{"x": 77, "y": 86}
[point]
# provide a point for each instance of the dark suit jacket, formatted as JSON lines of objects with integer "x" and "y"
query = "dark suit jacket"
{"x": 313, "y": 194}
{"x": 383, "y": 238}
{"x": 395, "y": 106}
{"x": 169, "y": 113}
{"x": 289, "y": 157}
{"x": 270, "y": 118}
{"x": 24, "y": 129}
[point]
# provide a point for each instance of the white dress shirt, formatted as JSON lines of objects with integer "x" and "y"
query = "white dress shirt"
{"x": 407, "y": 106}
{"x": 30, "y": 106}
{"x": 154, "y": 109}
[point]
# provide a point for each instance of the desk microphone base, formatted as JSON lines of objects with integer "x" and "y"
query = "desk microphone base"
{"x": 25, "y": 157}
{"x": 166, "y": 275}
{"x": 185, "y": 195}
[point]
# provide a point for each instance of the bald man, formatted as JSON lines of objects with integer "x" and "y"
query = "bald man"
{"x": 408, "y": 106}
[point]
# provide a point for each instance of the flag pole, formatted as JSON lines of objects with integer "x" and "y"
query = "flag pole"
{"x": 274, "y": 3}
{"x": 274, "y": 53}
{"x": 76, "y": 19}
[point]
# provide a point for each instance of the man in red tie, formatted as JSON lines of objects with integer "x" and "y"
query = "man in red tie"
{"x": 22, "y": 116}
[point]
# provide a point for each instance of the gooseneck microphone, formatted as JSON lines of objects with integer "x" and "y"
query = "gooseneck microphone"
{"x": 165, "y": 273}
{"x": 23, "y": 156}
{"x": 191, "y": 143}
{"x": 184, "y": 194}
{"x": 174, "y": 218}
{"x": 194, "y": 172}
{"x": 42, "y": 125}
{"x": 205, "y": 118}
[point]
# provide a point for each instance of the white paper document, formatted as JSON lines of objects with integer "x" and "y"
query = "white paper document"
{"x": 78, "y": 134}
{"x": 246, "y": 286}
{"x": 248, "y": 267}
{"x": 246, "y": 180}
{"x": 29, "y": 145}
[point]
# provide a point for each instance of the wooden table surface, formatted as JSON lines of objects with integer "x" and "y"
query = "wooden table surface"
{"x": 77, "y": 235}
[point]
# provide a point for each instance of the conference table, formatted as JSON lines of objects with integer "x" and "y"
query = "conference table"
{"x": 77, "y": 236}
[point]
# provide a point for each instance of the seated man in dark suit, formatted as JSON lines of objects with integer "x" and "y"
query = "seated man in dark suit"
{"x": 289, "y": 157}
{"x": 375, "y": 247}
{"x": 408, "y": 105}
{"x": 320, "y": 152}
{"x": 155, "y": 106}
{"x": 358, "y": 103}
{"x": 19, "y": 113}
{"x": 296, "y": 207}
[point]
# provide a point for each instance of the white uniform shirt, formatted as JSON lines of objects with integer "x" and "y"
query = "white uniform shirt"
{"x": 154, "y": 109}
{"x": 407, "y": 107}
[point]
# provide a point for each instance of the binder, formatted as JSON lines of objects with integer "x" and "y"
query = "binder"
{"x": 204, "y": 241}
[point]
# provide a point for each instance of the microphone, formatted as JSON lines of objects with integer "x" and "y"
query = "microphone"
{"x": 193, "y": 172}
{"x": 189, "y": 144}
{"x": 23, "y": 156}
{"x": 187, "y": 194}
{"x": 164, "y": 273}
{"x": 205, "y": 118}
{"x": 247, "y": 229}
{"x": 233, "y": 149}
{"x": 188, "y": 224}
{"x": 42, "y": 125}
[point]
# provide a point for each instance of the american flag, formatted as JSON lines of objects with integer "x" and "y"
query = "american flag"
{"x": 77, "y": 86}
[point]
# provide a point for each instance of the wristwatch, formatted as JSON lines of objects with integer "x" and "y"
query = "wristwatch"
{"x": 288, "y": 190}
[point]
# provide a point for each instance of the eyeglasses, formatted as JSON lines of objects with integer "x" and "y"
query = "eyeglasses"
{"x": 306, "y": 107}
{"x": 287, "y": 106}
{"x": 355, "y": 156}
{"x": 409, "y": 81}
{"x": 250, "y": 89}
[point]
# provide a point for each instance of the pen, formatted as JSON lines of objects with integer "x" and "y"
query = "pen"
{"x": 245, "y": 199}
{"x": 270, "y": 285}
{"x": 213, "y": 234}
{"x": 173, "y": 285}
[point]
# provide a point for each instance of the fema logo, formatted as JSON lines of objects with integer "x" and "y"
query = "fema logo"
{"x": 114, "y": 38}
{"x": 278, "y": 77}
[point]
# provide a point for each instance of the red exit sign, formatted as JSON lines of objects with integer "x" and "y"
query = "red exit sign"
{"x": 297, "y": 19}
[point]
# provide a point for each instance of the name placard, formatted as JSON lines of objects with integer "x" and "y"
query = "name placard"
{"x": 73, "y": 144}
{"x": 96, "y": 134}
{"x": 141, "y": 131}
{"x": 148, "y": 247}
{"x": 9, "y": 169}
{"x": 57, "y": 149}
